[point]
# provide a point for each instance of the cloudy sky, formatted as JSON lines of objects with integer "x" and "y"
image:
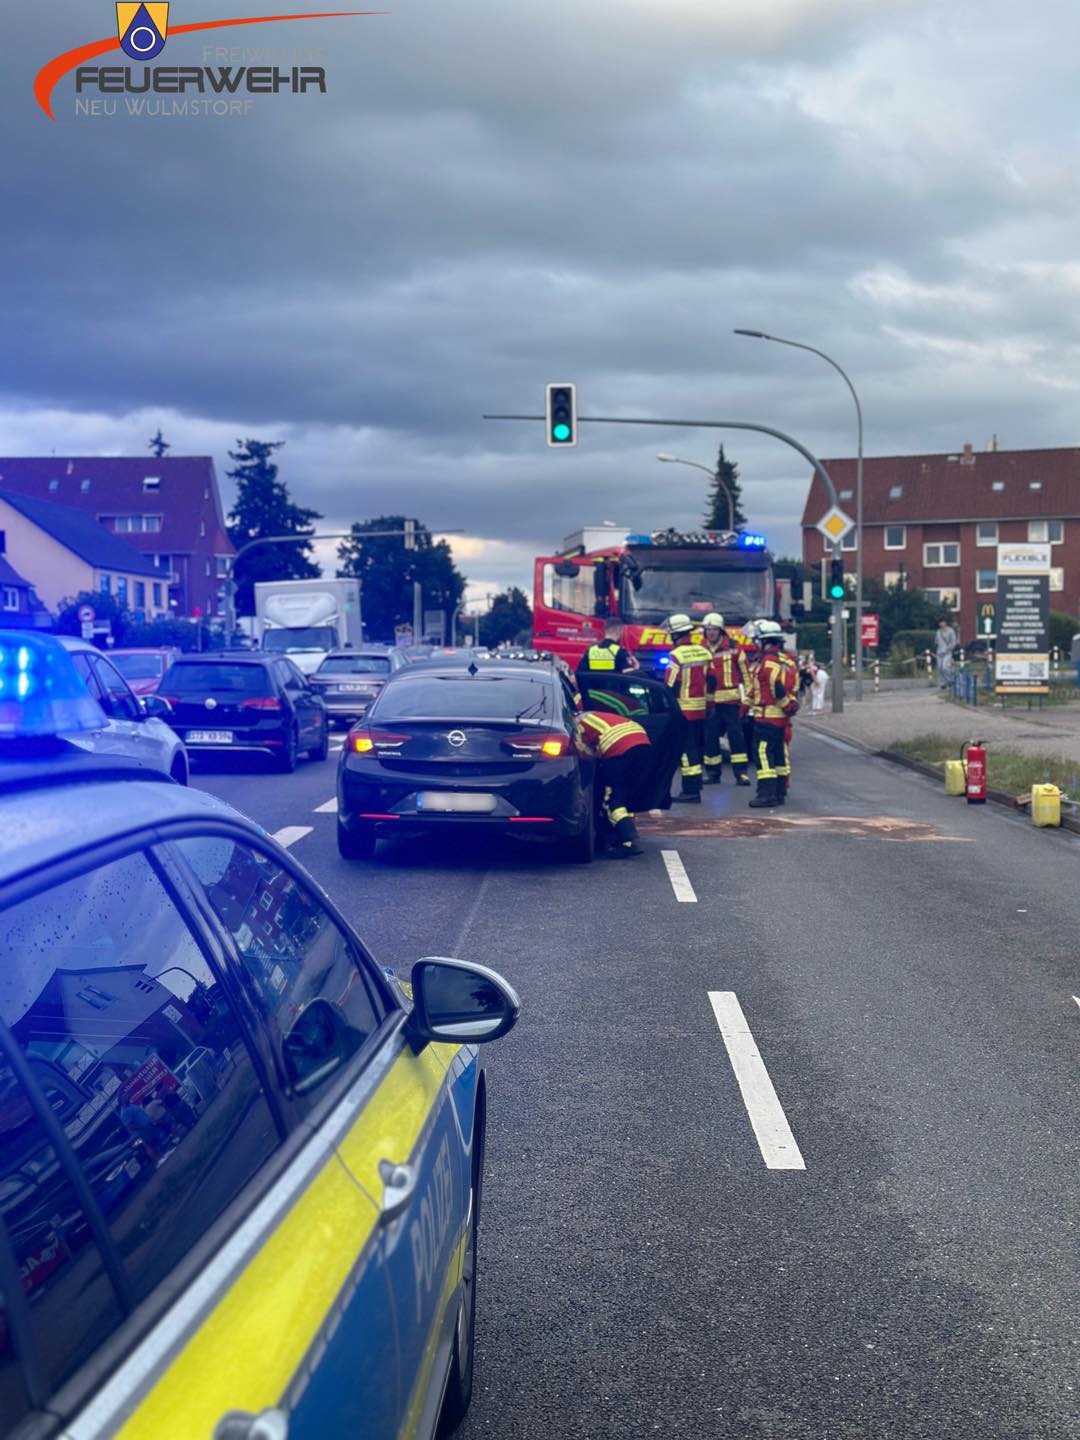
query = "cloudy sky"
{"x": 492, "y": 196}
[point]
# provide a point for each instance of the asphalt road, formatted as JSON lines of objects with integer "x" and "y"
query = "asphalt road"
{"x": 906, "y": 966}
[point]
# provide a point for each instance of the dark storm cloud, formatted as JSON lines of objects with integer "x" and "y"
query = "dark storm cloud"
{"x": 493, "y": 196}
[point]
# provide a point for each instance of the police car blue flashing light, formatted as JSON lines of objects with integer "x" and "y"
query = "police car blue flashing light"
{"x": 663, "y": 659}
{"x": 40, "y": 691}
{"x": 750, "y": 541}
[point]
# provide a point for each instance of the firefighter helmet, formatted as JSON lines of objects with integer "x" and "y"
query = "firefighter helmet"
{"x": 680, "y": 624}
{"x": 768, "y": 632}
{"x": 713, "y": 621}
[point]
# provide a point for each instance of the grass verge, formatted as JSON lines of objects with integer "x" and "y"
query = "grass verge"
{"x": 1006, "y": 769}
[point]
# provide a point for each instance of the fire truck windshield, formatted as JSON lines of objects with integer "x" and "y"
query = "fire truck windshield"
{"x": 739, "y": 595}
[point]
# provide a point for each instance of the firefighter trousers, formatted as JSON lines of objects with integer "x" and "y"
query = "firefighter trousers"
{"x": 693, "y": 757}
{"x": 614, "y": 781}
{"x": 724, "y": 722}
{"x": 771, "y": 760}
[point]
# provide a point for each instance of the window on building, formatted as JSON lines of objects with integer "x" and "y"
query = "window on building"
{"x": 945, "y": 554}
{"x": 11, "y": 598}
{"x": 895, "y": 491}
{"x": 54, "y": 484}
{"x": 122, "y": 589}
{"x": 140, "y": 594}
{"x": 1057, "y": 578}
{"x": 106, "y": 584}
{"x": 849, "y": 541}
{"x": 222, "y": 564}
{"x": 998, "y": 485}
{"x": 948, "y": 599}
{"x": 1042, "y": 532}
{"x": 84, "y": 486}
{"x": 891, "y": 578}
{"x": 986, "y": 532}
{"x": 292, "y": 955}
{"x": 156, "y": 591}
{"x": 895, "y": 537}
{"x": 208, "y": 567}
{"x": 202, "y": 527}
{"x": 152, "y": 523}
{"x": 847, "y": 494}
{"x": 986, "y": 581}
{"x": 151, "y": 482}
{"x": 142, "y": 1059}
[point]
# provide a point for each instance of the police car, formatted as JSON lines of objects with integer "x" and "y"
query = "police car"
{"x": 240, "y": 1162}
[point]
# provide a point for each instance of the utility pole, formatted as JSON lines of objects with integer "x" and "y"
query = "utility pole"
{"x": 417, "y": 613}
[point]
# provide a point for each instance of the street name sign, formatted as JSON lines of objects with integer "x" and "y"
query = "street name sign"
{"x": 1022, "y": 613}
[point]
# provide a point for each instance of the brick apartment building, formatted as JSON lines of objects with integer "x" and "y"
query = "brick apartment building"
{"x": 936, "y": 520}
{"x": 169, "y": 510}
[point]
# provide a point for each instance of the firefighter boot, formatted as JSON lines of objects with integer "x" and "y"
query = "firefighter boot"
{"x": 766, "y": 797}
{"x": 625, "y": 840}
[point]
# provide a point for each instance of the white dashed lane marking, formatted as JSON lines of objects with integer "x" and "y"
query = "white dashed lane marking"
{"x": 291, "y": 833}
{"x": 680, "y": 881}
{"x": 330, "y": 808}
{"x": 774, "y": 1137}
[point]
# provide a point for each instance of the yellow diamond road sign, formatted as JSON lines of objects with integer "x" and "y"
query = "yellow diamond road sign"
{"x": 834, "y": 524}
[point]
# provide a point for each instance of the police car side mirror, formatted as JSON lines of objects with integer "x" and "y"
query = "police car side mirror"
{"x": 456, "y": 1001}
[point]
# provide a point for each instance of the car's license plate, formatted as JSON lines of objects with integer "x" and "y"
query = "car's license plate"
{"x": 450, "y": 803}
{"x": 354, "y": 690}
{"x": 210, "y": 737}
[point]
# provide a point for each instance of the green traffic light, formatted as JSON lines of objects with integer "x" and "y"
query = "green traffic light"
{"x": 560, "y": 432}
{"x": 836, "y": 592}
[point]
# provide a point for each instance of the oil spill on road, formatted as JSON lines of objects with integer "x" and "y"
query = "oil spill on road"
{"x": 772, "y": 826}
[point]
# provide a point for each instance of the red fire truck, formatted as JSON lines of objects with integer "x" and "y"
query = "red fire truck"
{"x": 642, "y": 579}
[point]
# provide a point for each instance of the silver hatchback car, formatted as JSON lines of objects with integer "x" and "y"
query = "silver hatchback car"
{"x": 134, "y": 727}
{"x": 349, "y": 680}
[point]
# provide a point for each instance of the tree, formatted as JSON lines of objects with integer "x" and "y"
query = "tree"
{"x": 126, "y": 630}
{"x": 387, "y": 573}
{"x": 900, "y": 609}
{"x": 263, "y": 508}
{"x": 716, "y": 517}
{"x": 159, "y": 445}
{"x": 508, "y": 617}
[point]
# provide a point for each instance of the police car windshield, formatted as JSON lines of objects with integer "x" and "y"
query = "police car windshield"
{"x": 139, "y": 667}
{"x": 736, "y": 594}
{"x": 478, "y": 697}
{"x": 217, "y": 680}
{"x": 355, "y": 665}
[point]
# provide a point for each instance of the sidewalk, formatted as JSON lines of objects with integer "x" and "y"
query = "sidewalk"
{"x": 878, "y": 721}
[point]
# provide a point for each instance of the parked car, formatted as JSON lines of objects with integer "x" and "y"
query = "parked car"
{"x": 140, "y": 729}
{"x": 247, "y": 703}
{"x": 349, "y": 680}
{"x": 143, "y": 668}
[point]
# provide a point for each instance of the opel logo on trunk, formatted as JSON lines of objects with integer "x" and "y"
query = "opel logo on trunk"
{"x": 210, "y": 703}
{"x": 456, "y": 738}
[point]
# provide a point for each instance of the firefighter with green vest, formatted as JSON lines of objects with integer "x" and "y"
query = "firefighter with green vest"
{"x": 689, "y": 671}
{"x": 608, "y": 654}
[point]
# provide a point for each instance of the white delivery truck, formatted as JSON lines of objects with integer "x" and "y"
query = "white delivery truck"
{"x": 306, "y": 619}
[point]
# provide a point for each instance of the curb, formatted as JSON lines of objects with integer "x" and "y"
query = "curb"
{"x": 922, "y": 767}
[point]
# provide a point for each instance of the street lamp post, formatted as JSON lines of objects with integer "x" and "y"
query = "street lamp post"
{"x": 798, "y": 345}
{"x": 712, "y": 474}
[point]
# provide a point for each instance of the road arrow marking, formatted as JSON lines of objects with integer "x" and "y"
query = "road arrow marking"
{"x": 774, "y": 1137}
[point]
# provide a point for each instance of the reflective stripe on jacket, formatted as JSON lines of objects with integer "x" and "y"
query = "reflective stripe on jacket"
{"x": 730, "y": 671}
{"x": 773, "y": 684}
{"x": 688, "y": 672}
{"x": 608, "y": 736}
{"x": 601, "y": 656}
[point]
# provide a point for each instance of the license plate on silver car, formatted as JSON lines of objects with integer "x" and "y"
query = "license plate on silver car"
{"x": 210, "y": 737}
{"x": 453, "y": 804}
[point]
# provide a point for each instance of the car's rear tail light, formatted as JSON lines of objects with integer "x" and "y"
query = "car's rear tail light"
{"x": 539, "y": 746}
{"x": 363, "y": 742}
{"x": 261, "y": 702}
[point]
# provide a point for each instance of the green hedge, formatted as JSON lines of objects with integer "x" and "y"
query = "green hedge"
{"x": 1062, "y": 629}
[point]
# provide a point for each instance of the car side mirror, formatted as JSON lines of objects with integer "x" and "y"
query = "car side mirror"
{"x": 458, "y": 1002}
{"x": 156, "y": 707}
{"x": 318, "y": 1043}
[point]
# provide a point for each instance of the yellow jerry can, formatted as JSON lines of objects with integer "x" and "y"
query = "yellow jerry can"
{"x": 955, "y": 777}
{"x": 1045, "y": 805}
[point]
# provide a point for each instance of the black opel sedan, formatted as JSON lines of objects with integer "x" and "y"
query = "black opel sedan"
{"x": 233, "y": 704}
{"x": 447, "y": 749}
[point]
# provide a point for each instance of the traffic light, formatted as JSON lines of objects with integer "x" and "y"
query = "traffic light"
{"x": 837, "y": 588}
{"x": 562, "y": 414}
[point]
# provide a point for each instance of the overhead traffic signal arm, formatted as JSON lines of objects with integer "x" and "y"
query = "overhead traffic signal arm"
{"x": 562, "y": 415}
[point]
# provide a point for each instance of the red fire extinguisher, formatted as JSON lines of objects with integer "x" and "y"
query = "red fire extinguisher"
{"x": 974, "y": 757}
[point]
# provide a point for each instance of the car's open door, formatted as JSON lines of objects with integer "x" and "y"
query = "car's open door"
{"x": 654, "y": 707}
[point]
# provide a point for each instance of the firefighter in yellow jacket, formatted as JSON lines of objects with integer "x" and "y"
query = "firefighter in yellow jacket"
{"x": 689, "y": 671}
{"x": 618, "y": 745}
{"x": 728, "y": 687}
{"x": 773, "y": 686}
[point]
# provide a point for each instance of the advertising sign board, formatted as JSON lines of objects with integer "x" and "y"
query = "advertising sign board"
{"x": 1022, "y": 613}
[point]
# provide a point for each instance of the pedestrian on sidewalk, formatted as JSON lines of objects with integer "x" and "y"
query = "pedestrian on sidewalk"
{"x": 946, "y": 642}
{"x": 818, "y": 687}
